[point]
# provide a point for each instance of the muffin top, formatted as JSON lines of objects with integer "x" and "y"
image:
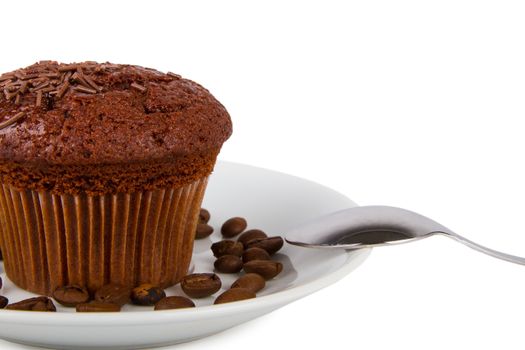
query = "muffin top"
{"x": 102, "y": 113}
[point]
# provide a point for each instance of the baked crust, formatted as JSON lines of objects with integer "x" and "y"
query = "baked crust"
{"x": 133, "y": 129}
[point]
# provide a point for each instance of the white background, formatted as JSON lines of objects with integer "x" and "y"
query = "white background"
{"x": 417, "y": 104}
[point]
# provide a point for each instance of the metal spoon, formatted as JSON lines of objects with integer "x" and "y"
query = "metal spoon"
{"x": 374, "y": 226}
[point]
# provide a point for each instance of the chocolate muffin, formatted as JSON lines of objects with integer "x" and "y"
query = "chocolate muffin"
{"x": 102, "y": 172}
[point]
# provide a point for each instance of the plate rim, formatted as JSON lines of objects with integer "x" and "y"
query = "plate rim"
{"x": 71, "y": 319}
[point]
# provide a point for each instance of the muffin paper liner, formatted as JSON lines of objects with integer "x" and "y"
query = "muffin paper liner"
{"x": 53, "y": 240}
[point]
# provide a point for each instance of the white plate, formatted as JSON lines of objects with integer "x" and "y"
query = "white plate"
{"x": 269, "y": 200}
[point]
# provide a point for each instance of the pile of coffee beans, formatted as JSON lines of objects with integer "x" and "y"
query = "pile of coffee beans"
{"x": 108, "y": 298}
{"x": 252, "y": 252}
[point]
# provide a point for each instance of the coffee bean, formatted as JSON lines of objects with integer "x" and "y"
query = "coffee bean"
{"x": 228, "y": 264}
{"x": 255, "y": 254}
{"x": 251, "y": 234}
{"x": 227, "y": 247}
{"x": 71, "y": 295}
{"x": 3, "y": 301}
{"x": 270, "y": 244}
{"x": 232, "y": 227}
{"x": 113, "y": 294}
{"x": 200, "y": 285}
{"x": 174, "y": 302}
{"x": 266, "y": 268}
{"x": 235, "y": 294}
{"x": 250, "y": 281}
{"x": 97, "y": 306}
{"x": 33, "y": 304}
{"x": 147, "y": 294}
{"x": 204, "y": 216}
{"x": 203, "y": 231}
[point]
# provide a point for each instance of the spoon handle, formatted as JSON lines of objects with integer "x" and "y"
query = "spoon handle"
{"x": 488, "y": 251}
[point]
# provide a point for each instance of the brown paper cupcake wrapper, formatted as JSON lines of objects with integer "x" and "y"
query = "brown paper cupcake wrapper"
{"x": 127, "y": 238}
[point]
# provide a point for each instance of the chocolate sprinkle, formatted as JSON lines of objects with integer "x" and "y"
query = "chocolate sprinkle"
{"x": 52, "y": 75}
{"x": 92, "y": 83}
{"x": 63, "y": 89}
{"x": 138, "y": 87}
{"x": 79, "y": 76}
{"x": 8, "y": 76}
{"x": 38, "y": 99}
{"x": 12, "y": 120}
{"x": 8, "y": 94}
{"x": 48, "y": 89}
{"x": 82, "y": 88}
{"x": 23, "y": 87}
{"x": 66, "y": 77}
{"x": 29, "y": 76}
{"x": 41, "y": 86}
{"x": 69, "y": 67}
